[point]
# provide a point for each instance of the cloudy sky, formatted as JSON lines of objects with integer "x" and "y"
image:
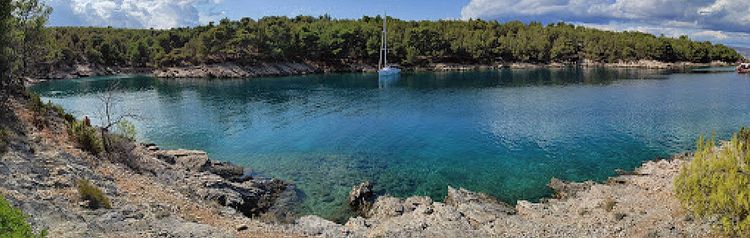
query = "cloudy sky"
{"x": 721, "y": 21}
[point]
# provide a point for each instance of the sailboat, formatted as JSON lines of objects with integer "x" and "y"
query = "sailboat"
{"x": 385, "y": 69}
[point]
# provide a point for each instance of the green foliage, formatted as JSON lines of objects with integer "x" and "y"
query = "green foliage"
{"x": 13, "y": 222}
{"x": 93, "y": 195}
{"x": 126, "y": 129}
{"x": 6, "y": 38}
{"x": 717, "y": 183}
{"x": 86, "y": 137}
{"x": 33, "y": 45}
{"x": 61, "y": 112}
{"x": 36, "y": 105}
{"x": 335, "y": 40}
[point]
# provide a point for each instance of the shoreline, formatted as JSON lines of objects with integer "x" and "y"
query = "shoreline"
{"x": 634, "y": 204}
{"x": 182, "y": 193}
{"x": 235, "y": 71}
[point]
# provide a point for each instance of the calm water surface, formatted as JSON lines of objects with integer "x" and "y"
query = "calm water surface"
{"x": 505, "y": 132}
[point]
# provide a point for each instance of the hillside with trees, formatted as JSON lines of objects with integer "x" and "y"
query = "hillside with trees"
{"x": 339, "y": 42}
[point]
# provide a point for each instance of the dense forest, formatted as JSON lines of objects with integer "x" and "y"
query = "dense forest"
{"x": 340, "y": 41}
{"x": 411, "y": 42}
{"x": 23, "y": 41}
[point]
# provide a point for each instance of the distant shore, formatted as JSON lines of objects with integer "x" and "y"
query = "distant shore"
{"x": 231, "y": 70}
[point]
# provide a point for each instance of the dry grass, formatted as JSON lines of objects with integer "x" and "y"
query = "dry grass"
{"x": 608, "y": 204}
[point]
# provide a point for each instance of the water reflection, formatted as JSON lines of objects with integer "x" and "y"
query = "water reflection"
{"x": 388, "y": 81}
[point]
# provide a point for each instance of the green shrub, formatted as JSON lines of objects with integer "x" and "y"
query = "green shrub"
{"x": 126, "y": 129}
{"x": 36, "y": 105}
{"x": 86, "y": 137}
{"x": 61, "y": 112}
{"x": 38, "y": 110}
{"x": 716, "y": 183}
{"x": 13, "y": 222}
{"x": 93, "y": 195}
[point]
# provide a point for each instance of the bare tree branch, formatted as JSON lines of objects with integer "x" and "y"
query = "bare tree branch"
{"x": 110, "y": 113}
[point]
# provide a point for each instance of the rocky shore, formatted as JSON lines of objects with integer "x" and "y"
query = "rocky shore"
{"x": 164, "y": 193}
{"x": 230, "y": 70}
{"x": 640, "y": 204}
{"x": 183, "y": 193}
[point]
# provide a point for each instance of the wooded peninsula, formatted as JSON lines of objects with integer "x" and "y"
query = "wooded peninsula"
{"x": 342, "y": 41}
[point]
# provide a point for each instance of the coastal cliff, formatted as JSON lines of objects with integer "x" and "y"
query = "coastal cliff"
{"x": 183, "y": 193}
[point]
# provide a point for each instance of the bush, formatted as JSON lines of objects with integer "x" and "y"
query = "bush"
{"x": 13, "y": 222}
{"x": 716, "y": 183}
{"x": 126, "y": 129}
{"x": 93, "y": 195}
{"x": 61, "y": 112}
{"x": 36, "y": 105}
{"x": 38, "y": 110}
{"x": 86, "y": 137}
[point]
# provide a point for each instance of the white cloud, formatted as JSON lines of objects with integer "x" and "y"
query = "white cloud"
{"x": 139, "y": 13}
{"x": 710, "y": 19}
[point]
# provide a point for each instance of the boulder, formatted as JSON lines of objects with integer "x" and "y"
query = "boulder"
{"x": 479, "y": 208}
{"x": 190, "y": 160}
{"x": 565, "y": 189}
{"x": 198, "y": 161}
{"x": 386, "y": 207}
{"x": 234, "y": 173}
{"x": 251, "y": 198}
{"x": 361, "y": 198}
{"x": 317, "y": 226}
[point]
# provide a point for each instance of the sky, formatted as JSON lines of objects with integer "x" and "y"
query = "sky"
{"x": 718, "y": 21}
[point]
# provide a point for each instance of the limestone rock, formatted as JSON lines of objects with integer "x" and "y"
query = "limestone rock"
{"x": 565, "y": 189}
{"x": 317, "y": 226}
{"x": 361, "y": 198}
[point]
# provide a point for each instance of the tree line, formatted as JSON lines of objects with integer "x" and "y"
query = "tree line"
{"x": 24, "y": 40}
{"x": 338, "y": 41}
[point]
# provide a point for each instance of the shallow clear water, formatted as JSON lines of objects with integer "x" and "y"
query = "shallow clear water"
{"x": 505, "y": 132}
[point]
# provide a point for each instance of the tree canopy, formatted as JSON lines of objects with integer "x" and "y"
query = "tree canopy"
{"x": 24, "y": 42}
{"x": 305, "y": 38}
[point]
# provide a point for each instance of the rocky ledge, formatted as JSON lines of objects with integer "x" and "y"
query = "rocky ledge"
{"x": 164, "y": 193}
{"x": 639, "y": 204}
{"x": 236, "y": 71}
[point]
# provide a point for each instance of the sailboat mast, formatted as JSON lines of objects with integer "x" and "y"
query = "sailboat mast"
{"x": 385, "y": 41}
{"x": 380, "y": 59}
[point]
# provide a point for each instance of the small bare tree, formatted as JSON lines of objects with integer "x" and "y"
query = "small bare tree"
{"x": 110, "y": 112}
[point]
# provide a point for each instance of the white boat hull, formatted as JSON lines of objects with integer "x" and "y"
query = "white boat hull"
{"x": 389, "y": 71}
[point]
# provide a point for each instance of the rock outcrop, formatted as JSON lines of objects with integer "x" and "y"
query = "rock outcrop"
{"x": 235, "y": 71}
{"x": 639, "y": 205}
{"x": 157, "y": 194}
{"x": 198, "y": 161}
{"x": 361, "y": 198}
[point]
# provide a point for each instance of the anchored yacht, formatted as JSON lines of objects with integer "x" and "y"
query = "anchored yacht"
{"x": 385, "y": 69}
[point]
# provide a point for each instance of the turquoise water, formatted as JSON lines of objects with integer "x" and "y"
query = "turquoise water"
{"x": 504, "y": 132}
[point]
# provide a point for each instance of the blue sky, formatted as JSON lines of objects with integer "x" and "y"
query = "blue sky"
{"x": 720, "y": 21}
{"x": 404, "y": 9}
